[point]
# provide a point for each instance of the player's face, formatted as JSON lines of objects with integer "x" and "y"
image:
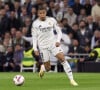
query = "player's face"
{"x": 42, "y": 14}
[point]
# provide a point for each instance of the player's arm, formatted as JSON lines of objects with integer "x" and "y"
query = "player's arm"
{"x": 28, "y": 39}
{"x": 34, "y": 37}
{"x": 59, "y": 33}
{"x": 66, "y": 39}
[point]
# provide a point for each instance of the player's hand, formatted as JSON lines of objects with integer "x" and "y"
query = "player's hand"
{"x": 57, "y": 44}
{"x": 36, "y": 53}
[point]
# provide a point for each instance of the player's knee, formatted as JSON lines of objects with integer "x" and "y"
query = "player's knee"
{"x": 61, "y": 57}
{"x": 61, "y": 60}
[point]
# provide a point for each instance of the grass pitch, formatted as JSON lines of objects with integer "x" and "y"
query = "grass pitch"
{"x": 51, "y": 81}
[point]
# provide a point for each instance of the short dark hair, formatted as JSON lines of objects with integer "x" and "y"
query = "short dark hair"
{"x": 41, "y": 8}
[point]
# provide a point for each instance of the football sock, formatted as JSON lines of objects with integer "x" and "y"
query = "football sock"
{"x": 67, "y": 69}
{"x": 43, "y": 68}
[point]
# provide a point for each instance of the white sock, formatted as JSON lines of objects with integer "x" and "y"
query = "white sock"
{"x": 43, "y": 68}
{"x": 67, "y": 69}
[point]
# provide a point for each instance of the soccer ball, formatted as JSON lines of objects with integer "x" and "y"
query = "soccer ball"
{"x": 18, "y": 80}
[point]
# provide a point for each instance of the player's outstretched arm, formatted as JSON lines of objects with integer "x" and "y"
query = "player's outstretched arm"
{"x": 34, "y": 37}
{"x": 58, "y": 30}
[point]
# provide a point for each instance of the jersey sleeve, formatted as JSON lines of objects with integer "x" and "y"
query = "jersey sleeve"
{"x": 28, "y": 39}
{"x": 58, "y": 30}
{"x": 34, "y": 37}
{"x": 66, "y": 39}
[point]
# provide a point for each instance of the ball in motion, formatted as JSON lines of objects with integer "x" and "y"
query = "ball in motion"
{"x": 18, "y": 80}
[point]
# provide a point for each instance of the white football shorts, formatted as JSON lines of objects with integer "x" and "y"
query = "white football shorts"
{"x": 45, "y": 53}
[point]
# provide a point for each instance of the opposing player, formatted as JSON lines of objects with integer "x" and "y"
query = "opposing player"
{"x": 44, "y": 38}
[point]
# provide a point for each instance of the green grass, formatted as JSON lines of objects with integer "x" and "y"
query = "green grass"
{"x": 51, "y": 81}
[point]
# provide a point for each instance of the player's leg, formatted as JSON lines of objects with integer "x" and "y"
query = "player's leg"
{"x": 37, "y": 59}
{"x": 66, "y": 67}
{"x": 60, "y": 56}
{"x": 46, "y": 62}
{"x": 44, "y": 67}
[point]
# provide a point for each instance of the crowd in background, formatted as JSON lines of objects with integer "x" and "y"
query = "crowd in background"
{"x": 79, "y": 19}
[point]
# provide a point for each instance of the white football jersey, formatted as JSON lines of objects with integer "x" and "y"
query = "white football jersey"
{"x": 42, "y": 33}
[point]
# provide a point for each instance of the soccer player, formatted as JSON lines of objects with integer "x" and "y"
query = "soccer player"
{"x": 43, "y": 37}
